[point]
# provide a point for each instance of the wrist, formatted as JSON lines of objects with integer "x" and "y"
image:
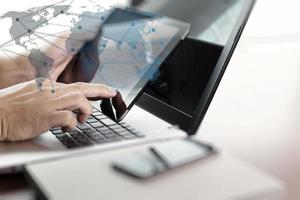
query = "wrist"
{"x": 14, "y": 71}
{"x": 27, "y": 72}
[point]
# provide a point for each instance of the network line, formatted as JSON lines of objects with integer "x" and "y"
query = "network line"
{"x": 34, "y": 33}
{"x": 52, "y": 43}
{"x": 18, "y": 54}
{"x": 96, "y": 4}
{"x": 13, "y": 60}
{"x": 58, "y": 36}
{"x": 37, "y": 25}
{"x": 44, "y": 8}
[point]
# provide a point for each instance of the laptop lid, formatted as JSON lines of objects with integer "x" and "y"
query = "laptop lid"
{"x": 190, "y": 77}
{"x": 220, "y": 67}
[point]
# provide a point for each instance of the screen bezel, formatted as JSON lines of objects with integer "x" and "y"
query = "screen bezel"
{"x": 220, "y": 67}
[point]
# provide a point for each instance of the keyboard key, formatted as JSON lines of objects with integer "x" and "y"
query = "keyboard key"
{"x": 73, "y": 131}
{"x": 96, "y": 124}
{"x": 102, "y": 129}
{"x": 70, "y": 145}
{"x": 62, "y": 135}
{"x": 124, "y": 132}
{"x": 115, "y": 126}
{"x": 100, "y": 117}
{"x": 120, "y": 129}
{"x": 137, "y": 133}
{"x": 98, "y": 138}
{"x": 128, "y": 136}
{"x": 55, "y": 128}
{"x": 110, "y": 134}
{"x": 67, "y": 141}
{"x": 98, "y": 129}
{"x": 112, "y": 139}
{"x": 108, "y": 121}
{"x": 76, "y": 135}
{"x": 97, "y": 113}
{"x": 90, "y": 132}
{"x": 91, "y": 119}
{"x": 82, "y": 140}
{"x": 57, "y": 131}
{"x": 83, "y": 126}
{"x": 107, "y": 132}
{"x": 134, "y": 131}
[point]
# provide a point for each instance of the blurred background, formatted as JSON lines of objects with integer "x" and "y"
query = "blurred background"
{"x": 211, "y": 20}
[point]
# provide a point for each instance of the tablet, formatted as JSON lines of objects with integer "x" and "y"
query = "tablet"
{"x": 132, "y": 46}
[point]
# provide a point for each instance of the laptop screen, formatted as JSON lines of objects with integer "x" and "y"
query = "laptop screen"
{"x": 131, "y": 48}
{"x": 190, "y": 77}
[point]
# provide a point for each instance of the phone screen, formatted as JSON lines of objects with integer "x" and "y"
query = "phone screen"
{"x": 166, "y": 156}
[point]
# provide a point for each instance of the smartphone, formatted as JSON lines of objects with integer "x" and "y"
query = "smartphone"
{"x": 162, "y": 157}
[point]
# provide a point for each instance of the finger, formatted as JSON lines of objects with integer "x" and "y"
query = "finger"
{"x": 74, "y": 101}
{"x": 63, "y": 118}
{"x": 89, "y": 90}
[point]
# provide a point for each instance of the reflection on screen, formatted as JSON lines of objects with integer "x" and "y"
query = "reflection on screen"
{"x": 128, "y": 51}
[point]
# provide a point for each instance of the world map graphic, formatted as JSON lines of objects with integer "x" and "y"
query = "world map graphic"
{"x": 39, "y": 28}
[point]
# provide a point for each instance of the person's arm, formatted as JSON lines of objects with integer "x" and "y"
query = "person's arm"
{"x": 14, "y": 70}
{"x": 28, "y": 112}
{"x": 68, "y": 67}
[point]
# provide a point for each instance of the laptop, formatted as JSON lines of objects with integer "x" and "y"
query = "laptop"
{"x": 89, "y": 178}
{"x": 131, "y": 48}
{"x": 145, "y": 127}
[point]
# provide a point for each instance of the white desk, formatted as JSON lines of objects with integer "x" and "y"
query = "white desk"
{"x": 219, "y": 177}
{"x": 255, "y": 113}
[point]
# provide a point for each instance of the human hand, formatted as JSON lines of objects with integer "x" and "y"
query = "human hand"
{"x": 83, "y": 65}
{"x": 79, "y": 62}
{"x": 27, "y": 112}
{"x": 71, "y": 56}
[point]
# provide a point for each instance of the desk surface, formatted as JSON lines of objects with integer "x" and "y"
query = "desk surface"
{"x": 255, "y": 112}
{"x": 218, "y": 177}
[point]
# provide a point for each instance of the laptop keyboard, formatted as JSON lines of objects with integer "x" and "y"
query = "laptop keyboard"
{"x": 98, "y": 129}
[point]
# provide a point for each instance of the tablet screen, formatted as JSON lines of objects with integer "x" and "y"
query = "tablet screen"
{"x": 131, "y": 48}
